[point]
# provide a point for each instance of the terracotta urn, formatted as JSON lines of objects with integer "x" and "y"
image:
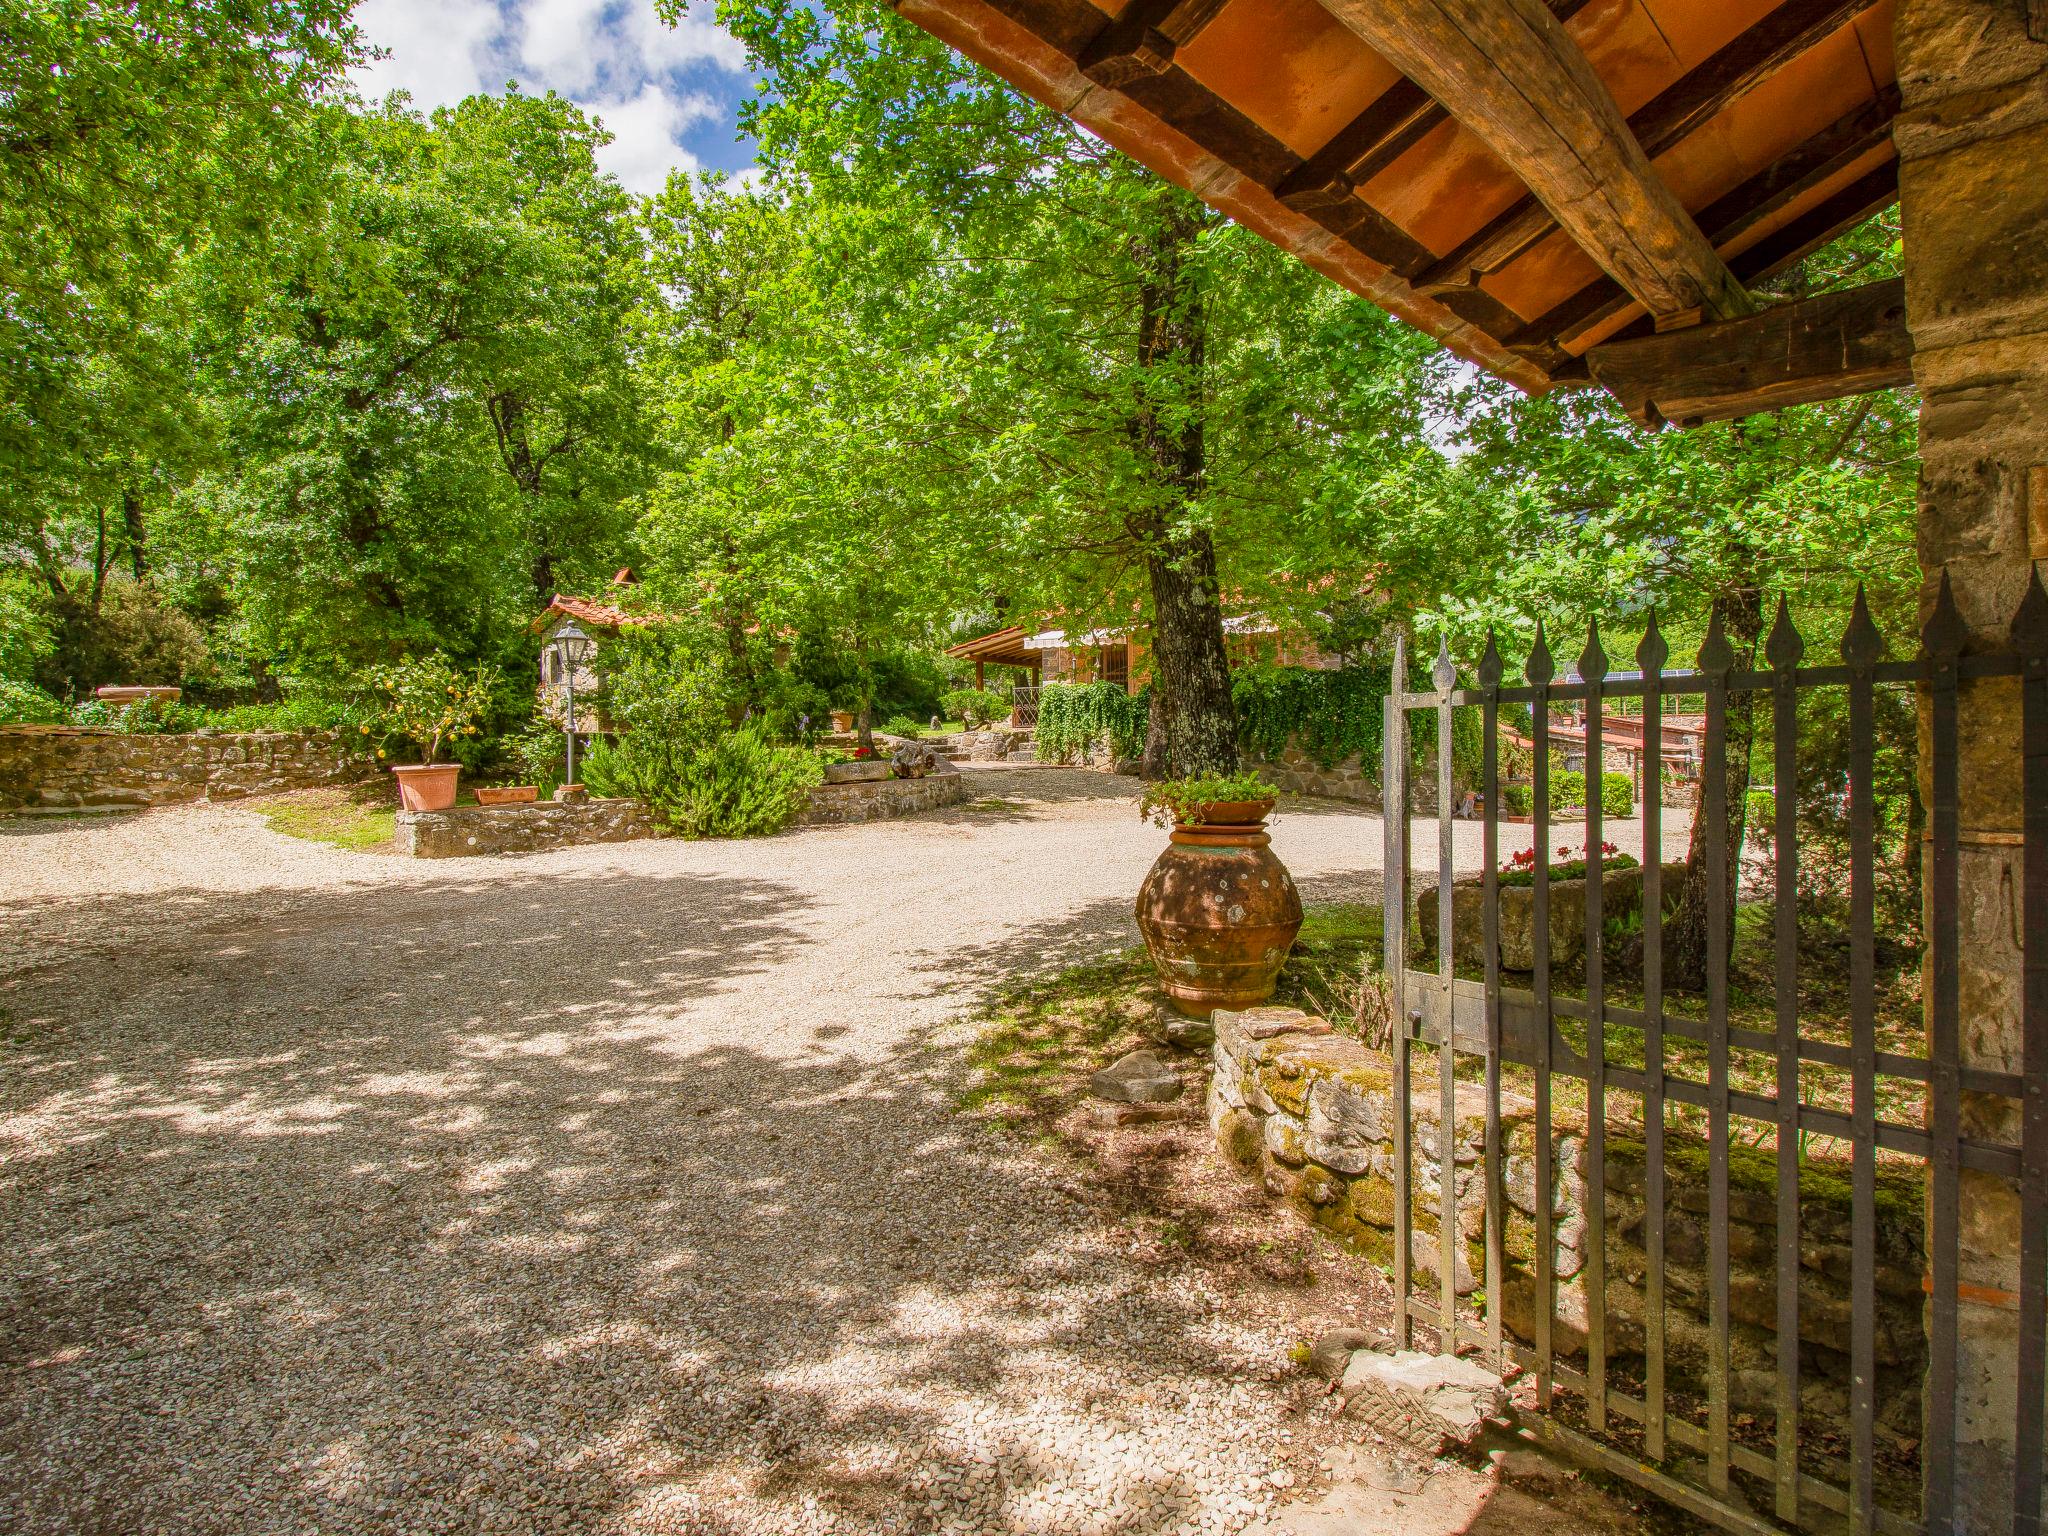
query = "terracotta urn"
{"x": 842, "y": 720}
{"x": 426, "y": 786}
{"x": 508, "y": 794}
{"x": 1219, "y": 911}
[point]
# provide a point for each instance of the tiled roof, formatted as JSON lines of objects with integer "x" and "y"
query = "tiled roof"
{"x": 603, "y": 615}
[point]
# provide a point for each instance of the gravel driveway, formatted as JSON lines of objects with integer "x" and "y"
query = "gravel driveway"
{"x": 613, "y": 1189}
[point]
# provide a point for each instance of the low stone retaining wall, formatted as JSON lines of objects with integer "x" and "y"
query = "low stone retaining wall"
{"x": 80, "y": 767}
{"x": 842, "y": 804}
{"x": 472, "y": 831}
{"x": 1313, "y": 1114}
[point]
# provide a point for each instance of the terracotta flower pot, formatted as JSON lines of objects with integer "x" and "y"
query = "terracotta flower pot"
{"x": 427, "y": 786}
{"x": 568, "y": 793}
{"x": 509, "y": 794}
{"x": 1219, "y": 913}
{"x": 1233, "y": 813}
{"x": 842, "y": 720}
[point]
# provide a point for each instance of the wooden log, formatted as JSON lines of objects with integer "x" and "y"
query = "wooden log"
{"x": 1733, "y": 215}
{"x": 1660, "y": 125}
{"x": 1508, "y": 71}
{"x": 1821, "y": 348}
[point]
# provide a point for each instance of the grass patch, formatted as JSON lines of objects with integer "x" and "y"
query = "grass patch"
{"x": 1037, "y": 1040}
{"x": 361, "y": 819}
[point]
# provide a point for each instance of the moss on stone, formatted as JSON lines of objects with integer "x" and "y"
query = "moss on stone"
{"x": 1824, "y": 1182}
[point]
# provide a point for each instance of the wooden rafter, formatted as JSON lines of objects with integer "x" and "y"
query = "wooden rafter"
{"x": 1821, "y": 348}
{"x": 1659, "y": 126}
{"x": 1756, "y": 201}
{"x": 1144, "y": 39}
{"x": 1395, "y": 123}
{"x": 1508, "y": 71}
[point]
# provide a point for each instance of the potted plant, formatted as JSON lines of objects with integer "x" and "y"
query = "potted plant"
{"x": 1218, "y": 909}
{"x": 428, "y": 702}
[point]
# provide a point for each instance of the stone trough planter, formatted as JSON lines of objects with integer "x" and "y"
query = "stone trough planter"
{"x": 866, "y": 771}
{"x": 1621, "y": 895}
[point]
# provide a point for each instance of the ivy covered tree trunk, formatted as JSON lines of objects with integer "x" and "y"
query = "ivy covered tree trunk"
{"x": 1193, "y": 727}
{"x": 1685, "y": 936}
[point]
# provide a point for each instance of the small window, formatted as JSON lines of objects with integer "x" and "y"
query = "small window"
{"x": 1115, "y": 666}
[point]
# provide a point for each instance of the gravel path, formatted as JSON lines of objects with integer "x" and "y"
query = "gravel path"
{"x": 613, "y": 1189}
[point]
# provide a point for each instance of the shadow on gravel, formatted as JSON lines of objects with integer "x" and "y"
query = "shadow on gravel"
{"x": 420, "y": 1209}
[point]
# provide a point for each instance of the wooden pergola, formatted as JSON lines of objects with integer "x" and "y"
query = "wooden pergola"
{"x": 1615, "y": 177}
{"x": 1002, "y": 648}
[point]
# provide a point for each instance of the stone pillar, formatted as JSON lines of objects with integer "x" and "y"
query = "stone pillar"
{"x": 1973, "y": 193}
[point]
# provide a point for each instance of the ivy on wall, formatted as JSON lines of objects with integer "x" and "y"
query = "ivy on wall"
{"x": 1332, "y": 716}
{"x": 1072, "y": 718}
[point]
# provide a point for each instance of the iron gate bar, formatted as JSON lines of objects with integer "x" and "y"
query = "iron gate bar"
{"x": 1394, "y": 925}
{"x": 1445, "y": 677}
{"x": 1783, "y": 649}
{"x": 2030, "y": 640}
{"x": 1981, "y": 1156}
{"x": 1489, "y": 883}
{"x": 1593, "y": 668}
{"x": 1650, "y": 657}
{"x": 1716, "y": 659}
{"x": 1507, "y": 1025}
{"x": 1862, "y": 646}
{"x": 1539, "y": 672}
{"x": 1942, "y": 640}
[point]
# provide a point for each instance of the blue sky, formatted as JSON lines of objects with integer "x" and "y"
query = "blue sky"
{"x": 669, "y": 94}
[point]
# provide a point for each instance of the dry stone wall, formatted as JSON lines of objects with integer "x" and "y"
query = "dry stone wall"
{"x": 473, "y": 831}
{"x": 879, "y": 799}
{"x": 76, "y": 767}
{"x": 1312, "y": 1113}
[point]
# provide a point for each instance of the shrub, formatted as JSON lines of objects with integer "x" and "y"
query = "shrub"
{"x": 26, "y": 704}
{"x": 1567, "y": 788}
{"x": 538, "y": 755}
{"x": 1617, "y": 794}
{"x": 975, "y": 706}
{"x": 741, "y": 786}
{"x": 1181, "y": 800}
{"x": 1073, "y": 718}
{"x": 901, "y": 725}
{"x": 1518, "y": 799}
{"x": 1763, "y": 813}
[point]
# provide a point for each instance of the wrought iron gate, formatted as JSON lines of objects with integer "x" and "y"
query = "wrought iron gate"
{"x": 1627, "y": 1411}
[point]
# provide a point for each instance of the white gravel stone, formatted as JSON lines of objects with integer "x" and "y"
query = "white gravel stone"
{"x": 616, "y": 1188}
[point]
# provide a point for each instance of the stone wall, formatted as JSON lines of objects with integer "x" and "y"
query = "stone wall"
{"x": 1299, "y": 774}
{"x": 1313, "y": 1114}
{"x": 76, "y": 767}
{"x": 473, "y": 831}
{"x": 842, "y": 804}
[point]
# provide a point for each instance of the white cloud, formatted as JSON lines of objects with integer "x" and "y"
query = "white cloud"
{"x": 614, "y": 58}
{"x": 645, "y": 132}
{"x": 438, "y": 51}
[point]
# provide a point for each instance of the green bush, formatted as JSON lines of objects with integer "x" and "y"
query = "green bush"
{"x": 1617, "y": 794}
{"x": 901, "y": 725}
{"x": 975, "y": 706}
{"x": 1763, "y": 812}
{"x": 740, "y": 786}
{"x": 1073, "y": 718}
{"x": 26, "y": 704}
{"x": 1518, "y": 799}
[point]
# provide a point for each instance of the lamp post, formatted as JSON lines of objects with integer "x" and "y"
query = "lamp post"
{"x": 573, "y": 647}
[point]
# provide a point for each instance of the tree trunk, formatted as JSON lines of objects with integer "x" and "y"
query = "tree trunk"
{"x": 1685, "y": 936}
{"x": 132, "y": 533}
{"x": 1193, "y": 725}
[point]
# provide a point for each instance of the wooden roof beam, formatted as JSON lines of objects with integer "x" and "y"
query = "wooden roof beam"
{"x": 1819, "y": 160}
{"x": 1144, "y": 39}
{"x": 1395, "y": 123}
{"x": 1833, "y": 344}
{"x": 1660, "y": 125}
{"x": 1507, "y": 70}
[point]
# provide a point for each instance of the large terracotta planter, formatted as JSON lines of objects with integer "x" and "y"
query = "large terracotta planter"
{"x": 427, "y": 786}
{"x": 1219, "y": 913}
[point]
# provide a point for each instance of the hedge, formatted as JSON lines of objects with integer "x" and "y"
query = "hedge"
{"x": 1072, "y": 718}
{"x": 1568, "y": 792}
